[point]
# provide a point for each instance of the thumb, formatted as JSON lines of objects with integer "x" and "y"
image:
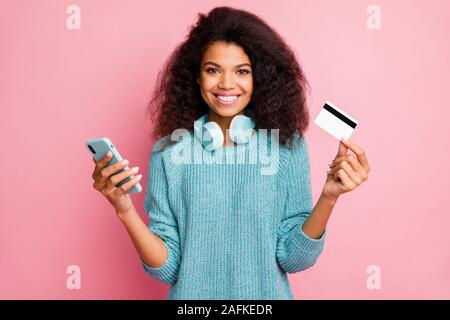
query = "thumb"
{"x": 342, "y": 149}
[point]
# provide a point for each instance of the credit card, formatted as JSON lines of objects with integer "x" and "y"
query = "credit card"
{"x": 335, "y": 121}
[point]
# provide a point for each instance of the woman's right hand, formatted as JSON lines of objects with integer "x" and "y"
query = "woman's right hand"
{"x": 105, "y": 181}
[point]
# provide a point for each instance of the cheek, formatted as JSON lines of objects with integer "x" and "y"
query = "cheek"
{"x": 208, "y": 82}
{"x": 247, "y": 85}
{"x": 205, "y": 90}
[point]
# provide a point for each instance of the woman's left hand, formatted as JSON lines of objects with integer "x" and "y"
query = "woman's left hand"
{"x": 346, "y": 172}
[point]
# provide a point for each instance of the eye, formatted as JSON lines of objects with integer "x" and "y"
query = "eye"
{"x": 246, "y": 71}
{"x": 207, "y": 70}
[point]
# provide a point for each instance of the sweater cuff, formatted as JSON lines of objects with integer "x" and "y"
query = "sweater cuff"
{"x": 305, "y": 243}
{"x": 166, "y": 273}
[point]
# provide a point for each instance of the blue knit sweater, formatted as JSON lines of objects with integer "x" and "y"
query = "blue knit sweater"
{"x": 231, "y": 231}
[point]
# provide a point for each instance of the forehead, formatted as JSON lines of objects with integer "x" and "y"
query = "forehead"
{"x": 226, "y": 54}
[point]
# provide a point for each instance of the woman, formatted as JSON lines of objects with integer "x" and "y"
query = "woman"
{"x": 219, "y": 229}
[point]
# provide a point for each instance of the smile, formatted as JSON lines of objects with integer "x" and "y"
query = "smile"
{"x": 226, "y": 100}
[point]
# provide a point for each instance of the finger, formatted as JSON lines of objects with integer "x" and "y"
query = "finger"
{"x": 112, "y": 169}
{"x": 339, "y": 159}
{"x": 340, "y": 165}
{"x": 102, "y": 162}
{"x": 115, "y": 179}
{"x": 342, "y": 149}
{"x": 353, "y": 165}
{"x": 127, "y": 186}
{"x": 99, "y": 185}
{"x": 354, "y": 175}
{"x": 347, "y": 183}
{"x": 334, "y": 168}
{"x": 360, "y": 154}
{"x": 358, "y": 168}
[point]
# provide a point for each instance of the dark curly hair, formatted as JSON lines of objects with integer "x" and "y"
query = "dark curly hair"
{"x": 279, "y": 95}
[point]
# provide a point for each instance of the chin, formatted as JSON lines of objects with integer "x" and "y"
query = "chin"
{"x": 225, "y": 112}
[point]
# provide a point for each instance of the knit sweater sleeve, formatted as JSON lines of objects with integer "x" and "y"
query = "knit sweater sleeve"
{"x": 295, "y": 250}
{"x": 162, "y": 221}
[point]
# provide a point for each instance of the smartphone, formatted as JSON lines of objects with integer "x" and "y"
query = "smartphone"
{"x": 98, "y": 147}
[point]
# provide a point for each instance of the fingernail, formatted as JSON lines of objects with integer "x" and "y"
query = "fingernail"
{"x": 139, "y": 176}
{"x": 124, "y": 162}
{"x": 135, "y": 169}
{"x": 108, "y": 154}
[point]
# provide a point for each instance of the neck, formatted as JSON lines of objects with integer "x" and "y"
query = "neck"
{"x": 224, "y": 124}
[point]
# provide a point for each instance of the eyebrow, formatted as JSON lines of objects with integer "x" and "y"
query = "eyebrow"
{"x": 219, "y": 66}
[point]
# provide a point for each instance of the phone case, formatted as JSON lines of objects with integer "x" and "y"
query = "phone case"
{"x": 98, "y": 147}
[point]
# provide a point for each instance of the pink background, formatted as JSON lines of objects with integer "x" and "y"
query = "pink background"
{"x": 59, "y": 87}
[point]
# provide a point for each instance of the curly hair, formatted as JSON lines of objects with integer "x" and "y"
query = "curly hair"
{"x": 279, "y": 96}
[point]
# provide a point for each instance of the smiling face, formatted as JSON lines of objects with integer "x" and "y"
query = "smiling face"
{"x": 225, "y": 79}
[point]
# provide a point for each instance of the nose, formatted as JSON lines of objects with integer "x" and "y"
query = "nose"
{"x": 227, "y": 81}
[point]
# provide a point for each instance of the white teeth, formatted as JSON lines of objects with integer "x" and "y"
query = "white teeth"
{"x": 227, "y": 98}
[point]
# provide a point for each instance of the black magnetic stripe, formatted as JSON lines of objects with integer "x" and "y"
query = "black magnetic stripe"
{"x": 339, "y": 115}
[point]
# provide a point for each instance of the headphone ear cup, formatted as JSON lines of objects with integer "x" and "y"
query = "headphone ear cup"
{"x": 209, "y": 133}
{"x": 212, "y": 136}
{"x": 241, "y": 129}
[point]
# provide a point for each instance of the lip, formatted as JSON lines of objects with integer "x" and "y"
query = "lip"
{"x": 225, "y": 103}
{"x": 226, "y": 94}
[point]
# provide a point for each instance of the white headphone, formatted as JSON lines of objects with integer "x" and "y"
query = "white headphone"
{"x": 211, "y": 136}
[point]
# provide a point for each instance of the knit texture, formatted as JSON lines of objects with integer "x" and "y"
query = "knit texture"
{"x": 231, "y": 232}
